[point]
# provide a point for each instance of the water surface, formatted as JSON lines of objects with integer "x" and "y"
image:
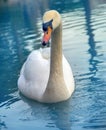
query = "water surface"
{"x": 84, "y": 39}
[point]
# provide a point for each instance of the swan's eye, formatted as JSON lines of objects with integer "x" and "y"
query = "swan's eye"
{"x": 46, "y": 25}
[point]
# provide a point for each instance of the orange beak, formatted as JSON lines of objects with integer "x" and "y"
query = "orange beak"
{"x": 47, "y": 36}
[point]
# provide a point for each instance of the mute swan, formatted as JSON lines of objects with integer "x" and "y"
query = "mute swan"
{"x": 46, "y": 75}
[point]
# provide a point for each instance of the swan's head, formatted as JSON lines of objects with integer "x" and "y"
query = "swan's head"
{"x": 51, "y": 20}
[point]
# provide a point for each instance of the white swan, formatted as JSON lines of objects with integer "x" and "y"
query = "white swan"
{"x": 46, "y": 75}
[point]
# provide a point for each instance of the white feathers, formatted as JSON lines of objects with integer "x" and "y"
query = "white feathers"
{"x": 40, "y": 82}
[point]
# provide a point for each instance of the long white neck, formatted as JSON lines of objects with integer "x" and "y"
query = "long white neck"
{"x": 56, "y": 52}
{"x": 56, "y": 89}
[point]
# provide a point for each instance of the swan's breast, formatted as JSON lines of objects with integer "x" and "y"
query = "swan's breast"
{"x": 35, "y": 73}
{"x": 68, "y": 75}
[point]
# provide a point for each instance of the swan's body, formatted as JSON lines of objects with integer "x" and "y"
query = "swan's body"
{"x": 46, "y": 75}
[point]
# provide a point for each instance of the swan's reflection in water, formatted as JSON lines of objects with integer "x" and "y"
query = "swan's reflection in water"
{"x": 52, "y": 115}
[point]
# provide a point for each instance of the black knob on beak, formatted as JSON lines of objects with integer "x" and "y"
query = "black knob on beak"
{"x": 46, "y": 25}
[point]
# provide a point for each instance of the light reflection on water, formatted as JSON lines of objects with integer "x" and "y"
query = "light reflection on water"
{"x": 84, "y": 31}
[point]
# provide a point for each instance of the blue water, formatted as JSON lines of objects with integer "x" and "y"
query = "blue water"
{"x": 84, "y": 45}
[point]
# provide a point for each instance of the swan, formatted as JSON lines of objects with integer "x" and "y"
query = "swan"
{"x": 46, "y": 76}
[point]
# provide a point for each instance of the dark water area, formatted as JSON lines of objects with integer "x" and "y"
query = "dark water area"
{"x": 84, "y": 45}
